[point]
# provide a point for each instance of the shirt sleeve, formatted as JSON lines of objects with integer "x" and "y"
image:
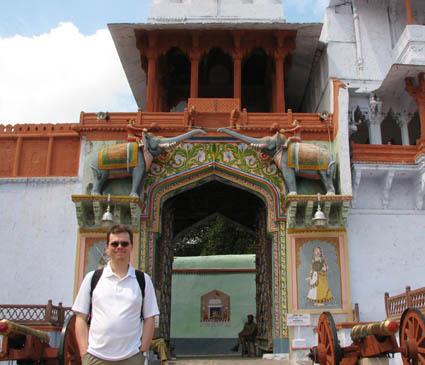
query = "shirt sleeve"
{"x": 150, "y": 306}
{"x": 82, "y": 301}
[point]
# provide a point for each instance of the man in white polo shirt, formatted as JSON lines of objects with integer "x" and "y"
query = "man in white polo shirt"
{"x": 116, "y": 332}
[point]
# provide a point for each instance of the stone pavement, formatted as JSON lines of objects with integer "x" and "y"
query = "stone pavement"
{"x": 228, "y": 360}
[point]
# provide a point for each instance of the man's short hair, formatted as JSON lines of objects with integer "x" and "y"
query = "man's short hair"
{"x": 119, "y": 228}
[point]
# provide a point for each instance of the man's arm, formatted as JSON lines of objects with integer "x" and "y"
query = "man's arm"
{"x": 148, "y": 328}
{"x": 82, "y": 332}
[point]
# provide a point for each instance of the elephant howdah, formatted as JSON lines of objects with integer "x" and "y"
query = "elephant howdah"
{"x": 119, "y": 156}
{"x": 306, "y": 156}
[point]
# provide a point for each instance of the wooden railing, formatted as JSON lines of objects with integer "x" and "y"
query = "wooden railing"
{"x": 395, "y": 305}
{"x": 169, "y": 124}
{"x": 383, "y": 153}
{"x": 36, "y": 315}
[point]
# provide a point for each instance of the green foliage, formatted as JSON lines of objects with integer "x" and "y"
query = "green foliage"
{"x": 219, "y": 236}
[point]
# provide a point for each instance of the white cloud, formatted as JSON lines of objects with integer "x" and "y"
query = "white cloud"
{"x": 52, "y": 77}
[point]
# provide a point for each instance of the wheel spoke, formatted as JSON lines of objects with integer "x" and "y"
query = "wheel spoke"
{"x": 417, "y": 328}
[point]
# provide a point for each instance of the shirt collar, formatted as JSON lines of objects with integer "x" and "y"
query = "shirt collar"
{"x": 108, "y": 270}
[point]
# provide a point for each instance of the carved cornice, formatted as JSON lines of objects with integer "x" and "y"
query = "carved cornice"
{"x": 228, "y": 40}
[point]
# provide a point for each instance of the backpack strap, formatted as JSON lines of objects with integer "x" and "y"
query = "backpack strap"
{"x": 140, "y": 276}
{"x": 94, "y": 280}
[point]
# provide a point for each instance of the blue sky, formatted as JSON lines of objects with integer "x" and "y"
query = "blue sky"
{"x": 51, "y": 68}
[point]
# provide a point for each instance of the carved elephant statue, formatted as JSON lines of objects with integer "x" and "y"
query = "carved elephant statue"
{"x": 134, "y": 158}
{"x": 294, "y": 159}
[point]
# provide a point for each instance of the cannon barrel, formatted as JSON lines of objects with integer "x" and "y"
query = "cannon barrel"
{"x": 11, "y": 329}
{"x": 384, "y": 328}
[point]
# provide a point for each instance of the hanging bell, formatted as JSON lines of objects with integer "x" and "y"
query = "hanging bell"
{"x": 319, "y": 219}
{"x": 108, "y": 218}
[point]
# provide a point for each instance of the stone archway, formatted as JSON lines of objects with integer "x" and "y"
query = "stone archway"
{"x": 253, "y": 205}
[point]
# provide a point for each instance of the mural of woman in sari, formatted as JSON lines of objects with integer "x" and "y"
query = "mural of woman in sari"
{"x": 319, "y": 292}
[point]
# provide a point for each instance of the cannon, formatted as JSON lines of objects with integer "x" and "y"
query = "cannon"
{"x": 372, "y": 340}
{"x": 28, "y": 345}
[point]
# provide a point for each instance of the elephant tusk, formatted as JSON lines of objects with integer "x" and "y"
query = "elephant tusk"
{"x": 169, "y": 146}
{"x": 257, "y": 146}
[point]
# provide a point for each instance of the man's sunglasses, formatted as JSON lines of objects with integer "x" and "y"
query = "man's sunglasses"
{"x": 115, "y": 244}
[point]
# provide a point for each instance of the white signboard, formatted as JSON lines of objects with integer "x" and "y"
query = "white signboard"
{"x": 298, "y": 319}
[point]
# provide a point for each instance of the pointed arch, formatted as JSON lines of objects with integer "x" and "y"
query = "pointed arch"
{"x": 168, "y": 187}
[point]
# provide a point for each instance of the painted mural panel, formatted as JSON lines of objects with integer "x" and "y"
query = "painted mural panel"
{"x": 215, "y": 309}
{"x": 92, "y": 255}
{"x": 319, "y": 273}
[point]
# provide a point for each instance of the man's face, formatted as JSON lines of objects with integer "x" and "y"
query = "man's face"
{"x": 250, "y": 319}
{"x": 117, "y": 247}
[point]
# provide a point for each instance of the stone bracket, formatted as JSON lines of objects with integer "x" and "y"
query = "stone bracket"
{"x": 300, "y": 210}
{"x": 90, "y": 209}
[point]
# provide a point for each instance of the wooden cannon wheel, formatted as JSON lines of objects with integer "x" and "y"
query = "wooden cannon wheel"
{"x": 328, "y": 350}
{"x": 68, "y": 352}
{"x": 412, "y": 337}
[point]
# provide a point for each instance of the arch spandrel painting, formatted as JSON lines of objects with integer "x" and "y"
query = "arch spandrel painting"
{"x": 215, "y": 309}
{"x": 190, "y": 156}
{"x": 319, "y": 273}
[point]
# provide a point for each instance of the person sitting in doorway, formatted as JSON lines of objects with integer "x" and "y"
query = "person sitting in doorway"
{"x": 248, "y": 334}
{"x": 159, "y": 346}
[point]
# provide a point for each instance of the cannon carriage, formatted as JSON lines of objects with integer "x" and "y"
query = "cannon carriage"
{"x": 372, "y": 340}
{"x": 27, "y": 344}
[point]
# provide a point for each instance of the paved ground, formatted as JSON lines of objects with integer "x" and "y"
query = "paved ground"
{"x": 226, "y": 360}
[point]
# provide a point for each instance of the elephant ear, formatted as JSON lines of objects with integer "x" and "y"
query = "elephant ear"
{"x": 146, "y": 154}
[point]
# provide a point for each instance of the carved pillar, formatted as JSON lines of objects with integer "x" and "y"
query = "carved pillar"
{"x": 280, "y": 89}
{"x": 285, "y": 43}
{"x": 151, "y": 86}
{"x": 194, "y": 72}
{"x": 403, "y": 122}
{"x": 194, "y": 66}
{"x": 375, "y": 120}
{"x": 417, "y": 92}
{"x": 237, "y": 66}
{"x": 409, "y": 13}
{"x": 358, "y": 38}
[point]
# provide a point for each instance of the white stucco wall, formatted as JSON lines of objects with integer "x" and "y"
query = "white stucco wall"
{"x": 365, "y": 57}
{"x": 215, "y": 10}
{"x": 38, "y": 230}
{"x": 386, "y": 254}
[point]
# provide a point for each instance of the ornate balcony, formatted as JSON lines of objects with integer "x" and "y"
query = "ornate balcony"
{"x": 410, "y": 48}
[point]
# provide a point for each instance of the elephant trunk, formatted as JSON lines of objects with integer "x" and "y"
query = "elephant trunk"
{"x": 241, "y": 136}
{"x": 178, "y": 139}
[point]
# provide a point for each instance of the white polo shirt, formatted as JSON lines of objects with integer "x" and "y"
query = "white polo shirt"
{"x": 115, "y": 328}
